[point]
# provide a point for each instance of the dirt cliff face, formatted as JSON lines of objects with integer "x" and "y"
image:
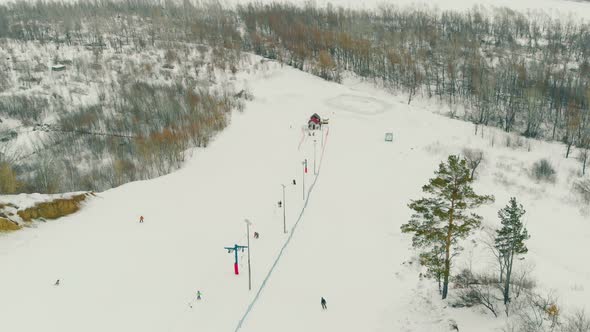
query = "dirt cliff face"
{"x": 8, "y": 225}
{"x": 54, "y": 209}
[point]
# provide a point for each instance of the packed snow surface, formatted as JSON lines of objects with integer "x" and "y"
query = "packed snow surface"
{"x": 117, "y": 274}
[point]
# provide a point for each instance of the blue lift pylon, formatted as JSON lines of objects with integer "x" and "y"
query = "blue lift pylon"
{"x": 235, "y": 249}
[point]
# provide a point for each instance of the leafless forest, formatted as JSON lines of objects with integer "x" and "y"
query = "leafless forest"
{"x": 525, "y": 74}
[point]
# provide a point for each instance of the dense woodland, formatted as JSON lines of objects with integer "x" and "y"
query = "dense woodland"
{"x": 143, "y": 84}
{"x": 525, "y": 74}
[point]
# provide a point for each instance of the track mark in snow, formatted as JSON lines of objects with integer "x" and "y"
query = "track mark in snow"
{"x": 362, "y": 105}
{"x": 274, "y": 265}
{"x": 302, "y": 138}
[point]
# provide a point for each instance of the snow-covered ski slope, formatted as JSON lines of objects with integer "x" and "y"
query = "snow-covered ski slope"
{"x": 119, "y": 275}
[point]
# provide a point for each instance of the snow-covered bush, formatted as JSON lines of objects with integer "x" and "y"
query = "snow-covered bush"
{"x": 453, "y": 325}
{"x": 27, "y": 109}
{"x": 4, "y": 82}
{"x": 477, "y": 290}
{"x": 535, "y": 312}
{"x": 582, "y": 187}
{"x": 543, "y": 171}
{"x": 578, "y": 322}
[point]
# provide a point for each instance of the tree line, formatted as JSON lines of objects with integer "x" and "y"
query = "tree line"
{"x": 163, "y": 99}
{"x": 522, "y": 73}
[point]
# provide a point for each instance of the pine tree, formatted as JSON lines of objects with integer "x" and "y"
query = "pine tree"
{"x": 510, "y": 239}
{"x": 441, "y": 220}
{"x": 434, "y": 261}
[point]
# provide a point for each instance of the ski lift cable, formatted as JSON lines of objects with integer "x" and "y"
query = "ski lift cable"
{"x": 293, "y": 228}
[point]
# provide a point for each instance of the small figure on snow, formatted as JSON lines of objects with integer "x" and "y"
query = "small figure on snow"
{"x": 294, "y": 183}
{"x": 56, "y": 283}
{"x": 280, "y": 204}
{"x": 197, "y": 298}
{"x": 256, "y": 235}
{"x": 324, "y": 306}
{"x": 140, "y": 219}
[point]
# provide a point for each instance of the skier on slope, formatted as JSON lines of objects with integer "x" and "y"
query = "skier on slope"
{"x": 197, "y": 298}
{"x": 140, "y": 219}
{"x": 256, "y": 235}
{"x": 56, "y": 283}
{"x": 324, "y": 306}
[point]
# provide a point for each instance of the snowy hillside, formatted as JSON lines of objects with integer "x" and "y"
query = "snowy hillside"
{"x": 77, "y": 113}
{"x": 562, "y": 8}
{"x": 343, "y": 242}
{"x": 120, "y": 91}
{"x": 555, "y": 8}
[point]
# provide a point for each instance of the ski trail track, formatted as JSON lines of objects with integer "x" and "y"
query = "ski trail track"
{"x": 309, "y": 192}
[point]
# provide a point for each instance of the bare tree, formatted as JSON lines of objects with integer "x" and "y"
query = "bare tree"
{"x": 474, "y": 158}
{"x": 578, "y": 322}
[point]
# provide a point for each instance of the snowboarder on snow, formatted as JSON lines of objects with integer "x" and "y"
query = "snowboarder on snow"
{"x": 324, "y": 306}
{"x": 198, "y": 295}
{"x": 280, "y": 203}
{"x": 141, "y": 219}
{"x": 294, "y": 183}
{"x": 256, "y": 235}
{"x": 56, "y": 283}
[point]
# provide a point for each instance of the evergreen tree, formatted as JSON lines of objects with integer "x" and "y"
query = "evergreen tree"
{"x": 434, "y": 261}
{"x": 441, "y": 220}
{"x": 510, "y": 239}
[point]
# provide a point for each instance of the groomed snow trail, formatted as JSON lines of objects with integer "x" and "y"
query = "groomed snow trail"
{"x": 348, "y": 250}
{"x": 292, "y": 231}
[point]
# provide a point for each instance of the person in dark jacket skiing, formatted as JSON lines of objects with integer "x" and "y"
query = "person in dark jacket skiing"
{"x": 57, "y": 283}
{"x": 324, "y": 306}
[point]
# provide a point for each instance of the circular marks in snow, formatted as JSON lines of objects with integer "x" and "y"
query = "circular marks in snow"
{"x": 362, "y": 105}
